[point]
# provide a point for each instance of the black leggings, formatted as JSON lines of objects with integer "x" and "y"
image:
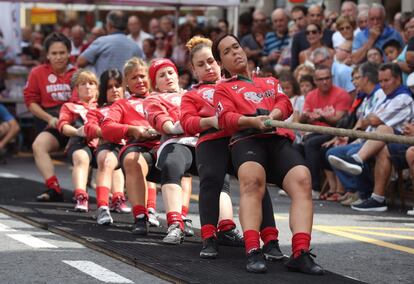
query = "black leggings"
{"x": 175, "y": 160}
{"x": 213, "y": 162}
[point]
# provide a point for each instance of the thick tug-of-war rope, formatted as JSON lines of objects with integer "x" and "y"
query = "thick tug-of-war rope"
{"x": 389, "y": 138}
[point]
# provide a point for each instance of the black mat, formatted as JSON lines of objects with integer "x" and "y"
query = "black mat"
{"x": 174, "y": 263}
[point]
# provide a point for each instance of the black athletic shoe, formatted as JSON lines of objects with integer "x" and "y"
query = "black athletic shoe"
{"x": 140, "y": 226}
{"x": 210, "y": 249}
{"x": 272, "y": 251}
{"x": 188, "y": 227}
{"x": 231, "y": 238}
{"x": 256, "y": 262}
{"x": 304, "y": 263}
{"x": 50, "y": 195}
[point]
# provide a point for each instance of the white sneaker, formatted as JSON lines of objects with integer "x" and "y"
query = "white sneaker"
{"x": 315, "y": 194}
{"x": 153, "y": 218}
{"x": 410, "y": 212}
{"x": 358, "y": 202}
{"x": 282, "y": 193}
{"x": 81, "y": 204}
{"x": 340, "y": 164}
{"x": 104, "y": 217}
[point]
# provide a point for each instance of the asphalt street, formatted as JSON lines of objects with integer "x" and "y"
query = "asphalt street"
{"x": 370, "y": 247}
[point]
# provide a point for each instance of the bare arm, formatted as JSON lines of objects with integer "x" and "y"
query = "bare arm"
{"x": 82, "y": 62}
{"x": 37, "y": 111}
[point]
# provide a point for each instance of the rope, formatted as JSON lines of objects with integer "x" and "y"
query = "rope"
{"x": 388, "y": 138}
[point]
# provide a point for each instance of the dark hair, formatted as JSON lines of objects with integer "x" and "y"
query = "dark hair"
{"x": 57, "y": 37}
{"x": 322, "y": 67}
{"x": 224, "y": 21}
{"x": 151, "y": 43}
{"x": 287, "y": 76}
{"x": 118, "y": 20}
{"x": 318, "y": 27}
{"x": 300, "y": 8}
{"x": 369, "y": 70}
{"x": 393, "y": 67}
{"x": 214, "y": 48}
{"x": 307, "y": 78}
{"x": 104, "y": 81}
{"x": 377, "y": 49}
{"x": 392, "y": 43}
{"x": 246, "y": 19}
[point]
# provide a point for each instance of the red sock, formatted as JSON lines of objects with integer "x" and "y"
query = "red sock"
{"x": 79, "y": 192}
{"x": 251, "y": 240}
{"x": 139, "y": 210}
{"x": 117, "y": 195}
{"x": 226, "y": 225}
{"x": 269, "y": 234}
{"x": 300, "y": 241}
{"x": 208, "y": 231}
{"x": 152, "y": 198}
{"x": 53, "y": 183}
{"x": 102, "y": 196}
{"x": 175, "y": 217}
{"x": 184, "y": 210}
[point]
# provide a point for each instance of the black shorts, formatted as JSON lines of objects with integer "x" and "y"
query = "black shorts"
{"x": 62, "y": 139}
{"x": 111, "y": 147}
{"x": 276, "y": 154}
{"x": 73, "y": 147}
{"x": 154, "y": 175}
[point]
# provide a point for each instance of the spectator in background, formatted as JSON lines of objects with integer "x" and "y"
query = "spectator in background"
{"x": 135, "y": 31}
{"x": 330, "y": 20}
{"x": 299, "y": 16}
{"x": 167, "y": 27}
{"x": 346, "y": 26}
{"x": 283, "y": 64}
{"x": 314, "y": 37}
{"x": 349, "y": 10}
{"x": 9, "y": 128}
{"x": 299, "y": 41}
{"x": 154, "y": 26}
{"x": 245, "y": 24}
{"x": 26, "y": 33}
{"x": 376, "y": 34}
{"x": 249, "y": 42}
{"x": 374, "y": 55}
{"x": 6, "y": 60}
{"x": 95, "y": 33}
{"x": 112, "y": 50}
{"x": 148, "y": 47}
{"x": 303, "y": 70}
{"x": 277, "y": 39}
{"x": 362, "y": 20}
{"x": 180, "y": 52}
{"x": 392, "y": 49}
{"x": 396, "y": 23}
{"x": 185, "y": 79}
{"x": 31, "y": 54}
{"x": 77, "y": 36}
{"x": 407, "y": 66}
{"x": 163, "y": 49}
{"x": 223, "y": 25}
{"x": 192, "y": 20}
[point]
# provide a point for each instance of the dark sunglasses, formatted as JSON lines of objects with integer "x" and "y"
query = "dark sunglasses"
{"x": 314, "y": 32}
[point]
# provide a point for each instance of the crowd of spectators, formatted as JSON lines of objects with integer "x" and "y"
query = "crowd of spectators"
{"x": 348, "y": 69}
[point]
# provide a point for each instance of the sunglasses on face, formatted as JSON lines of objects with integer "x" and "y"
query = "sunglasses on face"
{"x": 314, "y": 32}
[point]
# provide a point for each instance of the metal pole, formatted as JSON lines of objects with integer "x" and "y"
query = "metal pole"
{"x": 236, "y": 21}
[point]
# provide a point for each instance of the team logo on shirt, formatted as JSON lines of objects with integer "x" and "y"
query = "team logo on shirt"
{"x": 279, "y": 89}
{"x": 234, "y": 87}
{"x": 253, "y": 96}
{"x": 270, "y": 82}
{"x": 208, "y": 95}
{"x": 219, "y": 109}
{"x": 52, "y": 78}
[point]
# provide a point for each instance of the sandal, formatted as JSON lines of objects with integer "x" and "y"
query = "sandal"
{"x": 326, "y": 195}
{"x": 334, "y": 197}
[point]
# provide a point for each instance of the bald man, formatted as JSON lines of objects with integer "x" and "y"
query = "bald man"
{"x": 78, "y": 39}
{"x": 135, "y": 31}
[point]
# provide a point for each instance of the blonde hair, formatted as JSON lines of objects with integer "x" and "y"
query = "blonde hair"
{"x": 196, "y": 43}
{"x": 132, "y": 64}
{"x": 345, "y": 19}
{"x": 83, "y": 76}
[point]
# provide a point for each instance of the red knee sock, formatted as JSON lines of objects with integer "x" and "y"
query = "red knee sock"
{"x": 138, "y": 210}
{"x": 269, "y": 234}
{"x": 208, "y": 231}
{"x": 184, "y": 210}
{"x": 251, "y": 240}
{"x": 152, "y": 198}
{"x": 226, "y": 225}
{"x": 117, "y": 195}
{"x": 300, "y": 241}
{"x": 79, "y": 192}
{"x": 53, "y": 183}
{"x": 102, "y": 196}
{"x": 175, "y": 217}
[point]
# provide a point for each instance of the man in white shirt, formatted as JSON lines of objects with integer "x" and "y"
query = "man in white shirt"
{"x": 135, "y": 31}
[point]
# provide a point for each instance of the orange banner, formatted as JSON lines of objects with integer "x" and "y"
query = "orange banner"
{"x": 43, "y": 16}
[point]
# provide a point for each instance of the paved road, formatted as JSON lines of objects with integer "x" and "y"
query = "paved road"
{"x": 371, "y": 247}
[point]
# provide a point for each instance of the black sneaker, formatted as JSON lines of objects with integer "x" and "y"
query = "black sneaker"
{"x": 231, "y": 238}
{"x": 304, "y": 263}
{"x": 175, "y": 235}
{"x": 210, "y": 249}
{"x": 256, "y": 262}
{"x": 188, "y": 227}
{"x": 371, "y": 205}
{"x": 272, "y": 251}
{"x": 50, "y": 195}
{"x": 140, "y": 226}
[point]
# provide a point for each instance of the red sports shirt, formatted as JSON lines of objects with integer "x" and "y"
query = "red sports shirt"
{"x": 46, "y": 88}
{"x": 240, "y": 96}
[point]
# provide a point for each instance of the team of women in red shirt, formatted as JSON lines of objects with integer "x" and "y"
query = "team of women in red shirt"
{"x": 141, "y": 129}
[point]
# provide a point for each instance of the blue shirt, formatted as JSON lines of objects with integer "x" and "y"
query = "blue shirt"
{"x": 275, "y": 43}
{"x": 388, "y": 34}
{"x": 342, "y": 76}
{"x": 5, "y": 115}
{"x": 111, "y": 51}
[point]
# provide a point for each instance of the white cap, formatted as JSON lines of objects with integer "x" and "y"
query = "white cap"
{"x": 410, "y": 80}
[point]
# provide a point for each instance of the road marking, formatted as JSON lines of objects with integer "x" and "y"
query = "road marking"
{"x": 280, "y": 217}
{"x": 8, "y": 175}
{"x": 363, "y": 231}
{"x": 335, "y": 230}
{"x": 4, "y": 228}
{"x": 31, "y": 241}
{"x": 97, "y": 271}
{"x": 371, "y": 228}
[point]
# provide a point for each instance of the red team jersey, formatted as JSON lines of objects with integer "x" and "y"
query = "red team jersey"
{"x": 73, "y": 113}
{"x": 121, "y": 114}
{"x": 239, "y": 96}
{"x": 195, "y": 105}
{"x": 47, "y": 88}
